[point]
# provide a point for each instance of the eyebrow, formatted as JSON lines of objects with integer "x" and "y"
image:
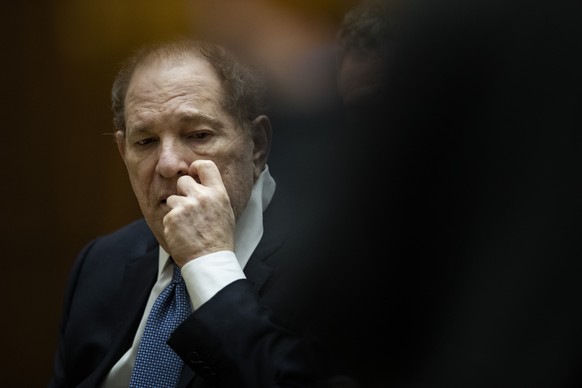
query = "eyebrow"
{"x": 199, "y": 117}
{"x": 185, "y": 118}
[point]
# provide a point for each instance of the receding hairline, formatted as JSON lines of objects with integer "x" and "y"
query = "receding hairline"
{"x": 241, "y": 82}
{"x": 174, "y": 53}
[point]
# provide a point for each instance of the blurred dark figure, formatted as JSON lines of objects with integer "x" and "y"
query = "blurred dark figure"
{"x": 462, "y": 217}
{"x": 367, "y": 291}
{"x": 363, "y": 51}
{"x": 466, "y": 201}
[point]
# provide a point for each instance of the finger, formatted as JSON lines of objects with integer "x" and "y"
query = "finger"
{"x": 174, "y": 201}
{"x": 207, "y": 173}
{"x": 186, "y": 185}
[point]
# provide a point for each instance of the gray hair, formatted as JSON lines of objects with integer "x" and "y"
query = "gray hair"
{"x": 243, "y": 84}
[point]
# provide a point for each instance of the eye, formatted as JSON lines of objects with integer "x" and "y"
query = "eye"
{"x": 146, "y": 141}
{"x": 198, "y": 135}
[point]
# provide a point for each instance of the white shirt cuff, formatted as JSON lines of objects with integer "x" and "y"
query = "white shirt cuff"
{"x": 208, "y": 274}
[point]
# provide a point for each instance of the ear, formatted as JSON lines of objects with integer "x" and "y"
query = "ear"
{"x": 119, "y": 138}
{"x": 262, "y": 135}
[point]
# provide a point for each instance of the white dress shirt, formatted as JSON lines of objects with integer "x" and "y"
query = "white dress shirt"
{"x": 206, "y": 275}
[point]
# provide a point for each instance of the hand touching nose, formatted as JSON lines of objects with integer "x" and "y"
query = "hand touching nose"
{"x": 201, "y": 219}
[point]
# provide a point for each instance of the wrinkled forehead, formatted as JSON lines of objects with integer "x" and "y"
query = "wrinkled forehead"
{"x": 176, "y": 93}
{"x": 163, "y": 80}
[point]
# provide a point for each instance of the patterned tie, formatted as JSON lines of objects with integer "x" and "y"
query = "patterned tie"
{"x": 156, "y": 364}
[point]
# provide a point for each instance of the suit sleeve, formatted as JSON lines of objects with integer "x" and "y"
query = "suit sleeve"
{"x": 233, "y": 340}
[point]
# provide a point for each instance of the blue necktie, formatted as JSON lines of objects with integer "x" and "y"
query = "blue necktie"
{"x": 156, "y": 364}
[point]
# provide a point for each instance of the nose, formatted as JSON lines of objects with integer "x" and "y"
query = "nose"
{"x": 172, "y": 160}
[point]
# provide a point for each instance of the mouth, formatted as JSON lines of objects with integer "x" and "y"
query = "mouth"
{"x": 164, "y": 198}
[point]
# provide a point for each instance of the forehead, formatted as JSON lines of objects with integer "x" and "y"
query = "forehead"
{"x": 171, "y": 91}
{"x": 167, "y": 78}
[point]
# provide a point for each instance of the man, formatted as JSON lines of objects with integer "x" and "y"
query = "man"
{"x": 190, "y": 130}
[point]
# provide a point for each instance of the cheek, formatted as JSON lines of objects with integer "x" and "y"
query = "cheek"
{"x": 237, "y": 170}
{"x": 238, "y": 177}
{"x": 236, "y": 160}
{"x": 140, "y": 173}
{"x": 134, "y": 172}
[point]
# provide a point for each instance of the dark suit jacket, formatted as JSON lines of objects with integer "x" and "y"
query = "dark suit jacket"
{"x": 244, "y": 336}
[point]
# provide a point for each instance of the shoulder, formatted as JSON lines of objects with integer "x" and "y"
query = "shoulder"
{"x": 132, "y": 240}
{"x": 98, "y": 270}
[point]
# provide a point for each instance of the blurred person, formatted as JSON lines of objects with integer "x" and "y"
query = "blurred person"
{"x": 363, "y": 43}
{"x": 482, "y": 199}
{"x": 469, "y": 164}
{"x": 191, "y": 131}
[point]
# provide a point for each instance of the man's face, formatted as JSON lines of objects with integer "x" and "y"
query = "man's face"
{"x": 173, "y": 117}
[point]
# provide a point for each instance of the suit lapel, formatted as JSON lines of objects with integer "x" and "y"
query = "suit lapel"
{"x": 264, "y": 259}
{"x": 138, "y": 279}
